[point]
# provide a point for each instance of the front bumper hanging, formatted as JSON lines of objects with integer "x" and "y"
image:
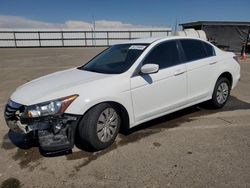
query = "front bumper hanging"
{"x": 54, "y": 133}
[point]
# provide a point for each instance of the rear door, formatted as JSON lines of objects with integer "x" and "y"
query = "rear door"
{"x": 154, "y": 94}
{"x": 201, "y": 65}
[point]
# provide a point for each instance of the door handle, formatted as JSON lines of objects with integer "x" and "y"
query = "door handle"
{"x": 212, "y": 63}
{"x": 179, "y": 72}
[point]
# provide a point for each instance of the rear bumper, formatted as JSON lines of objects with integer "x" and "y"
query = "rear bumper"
{"x": 53, "y": 133}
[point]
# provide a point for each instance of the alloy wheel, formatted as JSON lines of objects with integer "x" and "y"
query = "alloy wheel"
{"x": 107, "y": 124}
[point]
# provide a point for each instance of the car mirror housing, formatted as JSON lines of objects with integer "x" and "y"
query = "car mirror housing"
{"x": 149, "y": 68}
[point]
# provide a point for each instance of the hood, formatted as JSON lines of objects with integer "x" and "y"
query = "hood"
{"x": 46, "y": 85}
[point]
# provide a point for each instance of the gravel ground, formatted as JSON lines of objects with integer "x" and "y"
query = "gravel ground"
{"x": 191, "y": 148}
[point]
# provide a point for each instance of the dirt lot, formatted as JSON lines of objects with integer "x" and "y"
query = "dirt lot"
{"x": 191, "y": 148}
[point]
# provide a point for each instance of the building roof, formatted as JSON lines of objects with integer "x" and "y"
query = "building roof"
{"x": 228, "y": 23}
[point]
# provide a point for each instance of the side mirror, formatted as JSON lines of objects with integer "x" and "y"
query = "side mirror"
{"x": 149, "y": 68}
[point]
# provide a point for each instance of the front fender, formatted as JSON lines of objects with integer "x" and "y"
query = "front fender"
{"x": 82, "y": 105}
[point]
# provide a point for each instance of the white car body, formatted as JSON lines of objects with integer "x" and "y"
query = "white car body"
{"x": 124, "y": 86}
{"x": 168, "y": 90}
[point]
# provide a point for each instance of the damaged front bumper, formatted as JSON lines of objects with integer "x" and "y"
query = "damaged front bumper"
{"x": 54, "y": 133}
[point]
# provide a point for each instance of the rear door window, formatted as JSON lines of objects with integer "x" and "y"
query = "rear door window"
{"x": 194, "y": 49}
{"x": 209, "y": 49}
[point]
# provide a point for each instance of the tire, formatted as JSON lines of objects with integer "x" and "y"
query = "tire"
{"x": 221, "y": 93}
{"x": 99, "y": 127}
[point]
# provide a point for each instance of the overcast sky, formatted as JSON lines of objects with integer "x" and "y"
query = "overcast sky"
{"x": 117, "y": 13}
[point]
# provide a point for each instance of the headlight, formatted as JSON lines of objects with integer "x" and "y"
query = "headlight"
{"x": 50, "y": 107}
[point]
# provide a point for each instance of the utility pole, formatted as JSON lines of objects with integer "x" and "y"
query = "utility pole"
{"x": 176, "y": 26}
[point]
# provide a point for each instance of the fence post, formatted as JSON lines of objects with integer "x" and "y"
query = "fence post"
{"x": 14, "y": 33}
{"x": 129, "y": 35}
{"x": 107, "y": 38}
{"x": 39, "y": 39}
{"x": 62, "y": 38}
{"x": 85, "y": 35}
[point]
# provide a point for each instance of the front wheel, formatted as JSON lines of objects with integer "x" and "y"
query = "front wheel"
{"x": 100, "y": 126}
{"x": 220, "y": 94}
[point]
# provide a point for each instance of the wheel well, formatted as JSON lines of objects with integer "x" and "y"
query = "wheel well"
{"x": 228, "y": 76}
{"x": 122, "y": 112}
{"x": 124, "y": 115}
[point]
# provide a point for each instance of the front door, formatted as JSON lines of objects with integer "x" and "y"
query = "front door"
{"x": 158, "y": 93}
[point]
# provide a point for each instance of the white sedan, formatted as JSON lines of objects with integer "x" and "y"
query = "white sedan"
{"x": 125, "y": 85}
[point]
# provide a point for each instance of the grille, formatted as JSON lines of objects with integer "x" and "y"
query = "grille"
{"x": 11, "y": 109}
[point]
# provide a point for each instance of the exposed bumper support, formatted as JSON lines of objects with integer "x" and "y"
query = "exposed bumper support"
{"x": 63, "y": 139}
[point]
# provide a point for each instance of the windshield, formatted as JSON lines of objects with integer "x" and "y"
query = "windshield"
{"x": 116, "y": 59}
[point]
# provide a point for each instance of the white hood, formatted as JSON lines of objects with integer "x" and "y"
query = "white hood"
{"x": 46, "y": 85}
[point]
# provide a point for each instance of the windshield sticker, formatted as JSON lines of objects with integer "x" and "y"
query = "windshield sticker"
{"x": 137, "y": 47}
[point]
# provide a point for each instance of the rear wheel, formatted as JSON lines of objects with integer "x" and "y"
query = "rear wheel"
{"x": 100, "y": 126}
{"x": 221, "y": 93}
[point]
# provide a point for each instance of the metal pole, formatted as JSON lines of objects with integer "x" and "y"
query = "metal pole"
{"x": 245, "y": 47}
{"x": 176, "y": 26}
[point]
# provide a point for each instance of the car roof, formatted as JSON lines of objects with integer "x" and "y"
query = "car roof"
{"x": 155, "y": 39}
{"x": 145, "y": 40}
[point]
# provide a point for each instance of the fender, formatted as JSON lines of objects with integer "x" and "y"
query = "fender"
{"x": 87, "y": 104}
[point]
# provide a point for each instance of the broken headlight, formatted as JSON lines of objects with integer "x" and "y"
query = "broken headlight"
{"x": 52, "y": 107}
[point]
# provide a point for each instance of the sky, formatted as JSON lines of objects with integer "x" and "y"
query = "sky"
{"x": 117, "y": 14}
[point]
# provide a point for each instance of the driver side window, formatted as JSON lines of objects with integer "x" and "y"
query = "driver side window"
{"x": 165, "y": 55}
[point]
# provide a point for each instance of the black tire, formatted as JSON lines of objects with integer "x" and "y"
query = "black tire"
{"x": 88, "y": 127}
{"x": 215, "y": 103}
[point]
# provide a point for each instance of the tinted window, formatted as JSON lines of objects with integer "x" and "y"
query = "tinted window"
{"x": 193, "y": 49}
{"x": 116, "y": 59}
{"x": 209, "y": 49}
{"x": 165, "y": 55}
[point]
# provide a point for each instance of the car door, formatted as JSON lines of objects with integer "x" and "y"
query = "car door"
{"x": 155, "y": 94}
{"x": 201, "y": 65}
